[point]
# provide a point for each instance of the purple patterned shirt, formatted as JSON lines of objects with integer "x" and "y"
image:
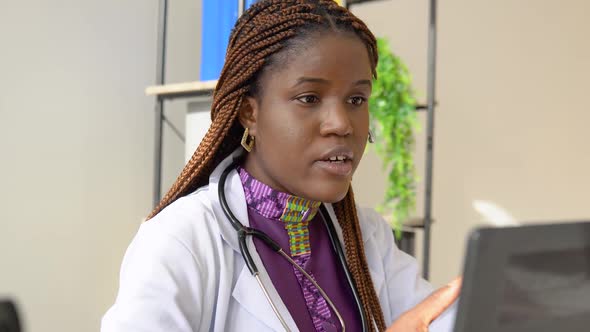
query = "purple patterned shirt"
{"x": 296, "y": 226}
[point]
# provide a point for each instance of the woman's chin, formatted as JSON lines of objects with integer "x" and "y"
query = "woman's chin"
{"x": 330, "y": 193}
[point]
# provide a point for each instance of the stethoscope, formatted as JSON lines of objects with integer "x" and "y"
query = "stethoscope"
{"x": 244, "y": 231}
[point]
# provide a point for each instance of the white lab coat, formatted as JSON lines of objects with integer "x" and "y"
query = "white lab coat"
{"x": 183, "y": 271}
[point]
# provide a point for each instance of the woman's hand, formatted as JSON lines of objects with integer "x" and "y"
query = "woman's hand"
{"x": 419, "y": 318}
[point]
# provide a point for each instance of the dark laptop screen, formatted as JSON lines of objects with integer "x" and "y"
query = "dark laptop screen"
{"x": 545, "y": 285}
{"x": 530, "y": 278}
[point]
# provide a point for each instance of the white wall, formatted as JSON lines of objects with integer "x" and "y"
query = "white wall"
{"x": 76, "y": 135}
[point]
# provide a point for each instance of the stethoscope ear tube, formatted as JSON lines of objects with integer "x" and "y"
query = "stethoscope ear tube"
{"x": 223, "y": 200}
{"x": 245, "y": 231}
{"x": 265, "y": 238}
{"x": 342, "y": 257}
{"x": 244, "y": 249}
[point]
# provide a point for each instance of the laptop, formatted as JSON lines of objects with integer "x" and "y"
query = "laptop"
{"x": 533, "y": 278}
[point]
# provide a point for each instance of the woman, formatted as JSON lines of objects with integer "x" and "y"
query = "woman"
{"x": 289, "y": 127}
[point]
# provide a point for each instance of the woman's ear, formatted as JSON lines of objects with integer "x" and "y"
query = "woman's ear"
{"x": 248, "y": 114}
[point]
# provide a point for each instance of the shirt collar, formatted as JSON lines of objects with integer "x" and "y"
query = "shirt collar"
{"x": 273, "y": 204}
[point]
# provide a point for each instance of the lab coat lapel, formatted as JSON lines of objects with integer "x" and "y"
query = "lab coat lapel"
{"x": 249, "y": 294}
{"x": 368, "y": 229}
{"x": 247, "y": 291}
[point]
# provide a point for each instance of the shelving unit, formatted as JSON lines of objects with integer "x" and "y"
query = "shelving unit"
{"x": 163, "y": 92}
{"x": 181, "y": 90}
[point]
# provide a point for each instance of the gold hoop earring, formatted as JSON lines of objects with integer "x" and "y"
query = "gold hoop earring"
{"x": 247, "y": 146}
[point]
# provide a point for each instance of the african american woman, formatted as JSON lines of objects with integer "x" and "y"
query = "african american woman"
{"x": 260, "y": 232}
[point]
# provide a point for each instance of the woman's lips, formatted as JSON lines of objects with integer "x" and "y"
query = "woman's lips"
{"x": 338, "y": 168}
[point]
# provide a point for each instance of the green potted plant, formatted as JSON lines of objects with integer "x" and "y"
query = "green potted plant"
{"x": 393, "y": 122}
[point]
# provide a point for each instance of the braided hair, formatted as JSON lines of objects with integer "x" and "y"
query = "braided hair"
{"x": 268, "y": 29}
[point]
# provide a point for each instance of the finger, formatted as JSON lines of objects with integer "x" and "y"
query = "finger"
{"x": 439, "y": 301}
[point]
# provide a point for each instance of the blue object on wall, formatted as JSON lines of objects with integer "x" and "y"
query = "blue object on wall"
{"x": 219, "y": 17}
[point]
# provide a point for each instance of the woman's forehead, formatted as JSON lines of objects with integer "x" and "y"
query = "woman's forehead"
{"x": 325, "y": 58}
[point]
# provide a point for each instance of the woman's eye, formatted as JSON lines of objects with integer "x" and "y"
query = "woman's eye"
{"x": 357, "y": 100}
{"x": 308, "y": 99}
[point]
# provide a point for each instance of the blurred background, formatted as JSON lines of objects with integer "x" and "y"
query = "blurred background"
{"x": 76, "y": 132}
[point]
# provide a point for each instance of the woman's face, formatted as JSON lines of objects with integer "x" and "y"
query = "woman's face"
{"x": 311, "y": 120}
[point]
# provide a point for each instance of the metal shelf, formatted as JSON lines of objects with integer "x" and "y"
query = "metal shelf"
{"x": 181, "y": 90}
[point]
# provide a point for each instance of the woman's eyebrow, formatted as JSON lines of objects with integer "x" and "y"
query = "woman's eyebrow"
{"x": 364, "y": 82}
{"x": 305, "y": 79}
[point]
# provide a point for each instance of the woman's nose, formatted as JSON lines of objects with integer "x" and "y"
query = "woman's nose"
{"x": 336, "y": 121}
